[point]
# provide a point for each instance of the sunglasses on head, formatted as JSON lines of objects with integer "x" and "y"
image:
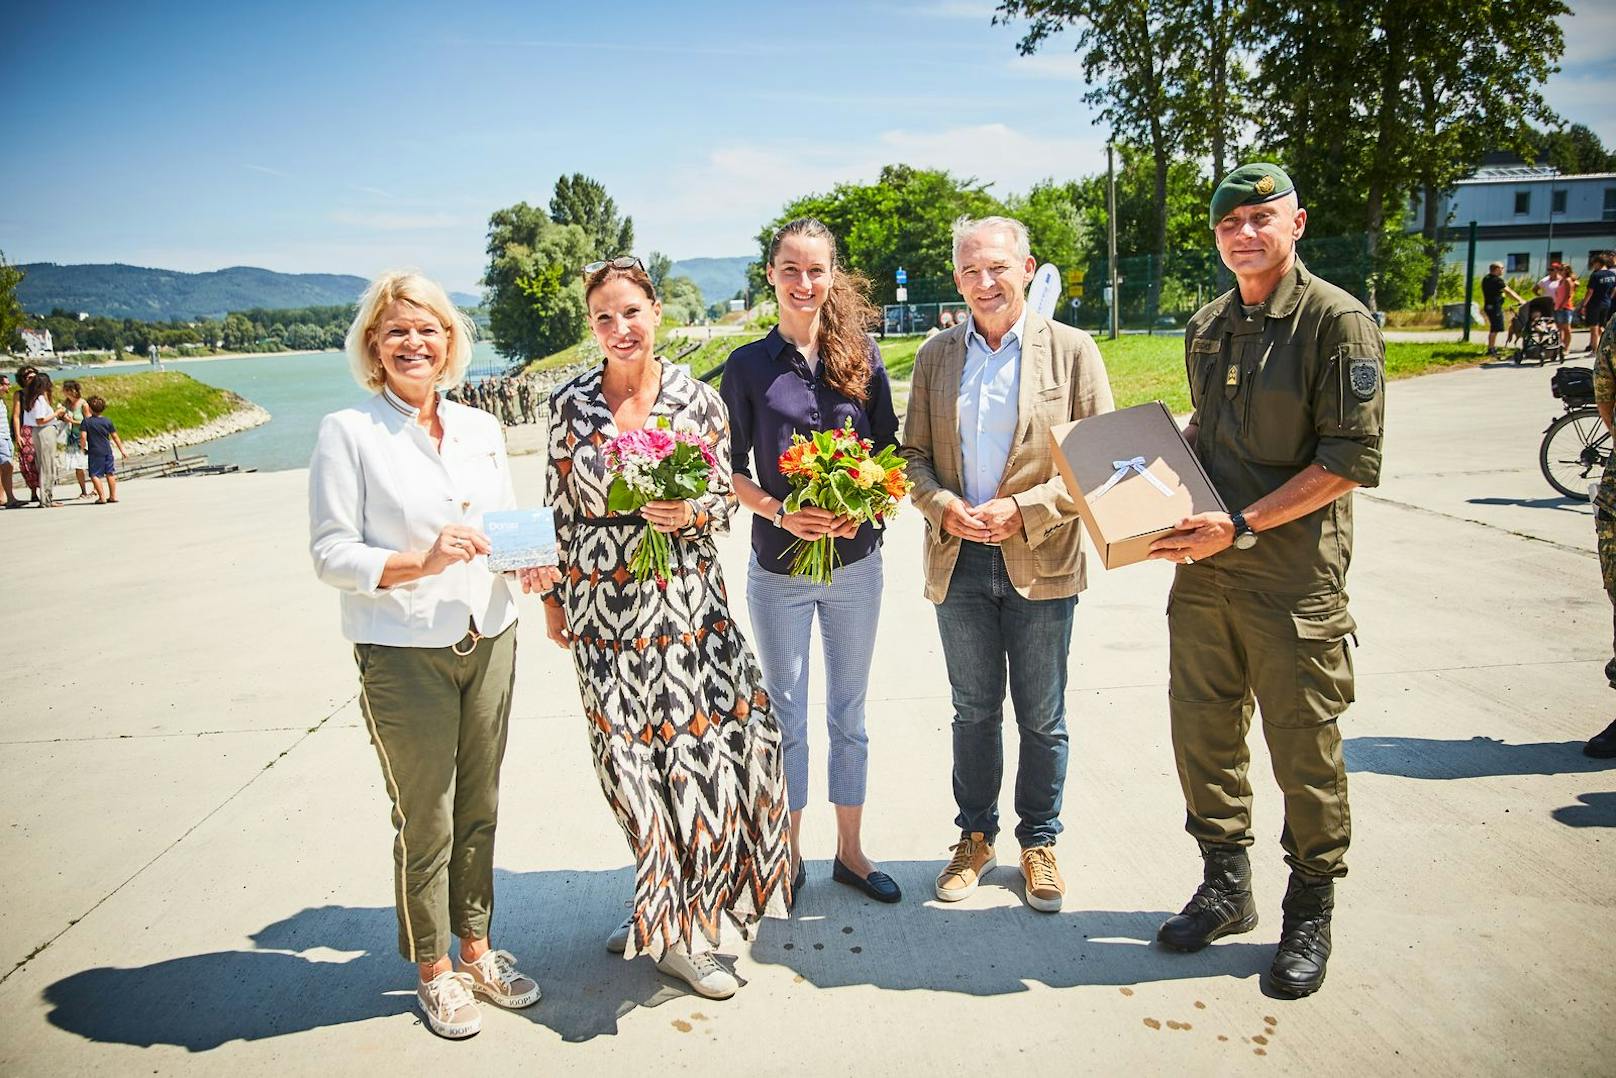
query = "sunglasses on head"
{"x": 622, "y": 262}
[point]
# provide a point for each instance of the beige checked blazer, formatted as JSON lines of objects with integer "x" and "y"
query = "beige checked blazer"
{"x": 1062, "y": 378}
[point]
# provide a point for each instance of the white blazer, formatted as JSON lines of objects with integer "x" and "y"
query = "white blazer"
{"x": 377, "y": 485}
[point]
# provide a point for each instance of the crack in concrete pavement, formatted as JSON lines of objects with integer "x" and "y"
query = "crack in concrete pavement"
{"x": 308, "y": 732}
{"x": 1381, "y": 499}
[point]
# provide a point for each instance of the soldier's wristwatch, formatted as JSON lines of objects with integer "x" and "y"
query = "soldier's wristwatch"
{"x": 1244, "y": 537}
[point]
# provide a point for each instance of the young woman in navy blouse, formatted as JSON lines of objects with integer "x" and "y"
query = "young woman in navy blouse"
{"x": 816, "y": 370}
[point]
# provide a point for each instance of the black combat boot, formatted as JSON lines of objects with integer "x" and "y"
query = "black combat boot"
{"x": 1221, "y": 906}
{"x": 1304, "y": 942}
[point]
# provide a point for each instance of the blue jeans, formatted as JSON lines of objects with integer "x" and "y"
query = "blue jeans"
{"x": 986, "y": 627}
{"x": 783, "y": 611}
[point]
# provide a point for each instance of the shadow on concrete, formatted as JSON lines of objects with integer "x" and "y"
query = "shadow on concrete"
{"x": 1593, "y": 810}
{"x": 836, "y": 937}
{"x": 292, "y": 983}
{"x": 1479, "y": 757}
{"x": 1569, "y": 505}
{"x": 335, "y": 965}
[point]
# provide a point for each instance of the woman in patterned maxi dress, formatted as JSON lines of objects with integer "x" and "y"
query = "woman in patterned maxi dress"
{"x": 685, "y": 745}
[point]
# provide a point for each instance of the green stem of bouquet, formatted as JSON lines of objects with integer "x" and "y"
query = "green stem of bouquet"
{"x": 815, "y": 560}
{"x": 650, "y": 557}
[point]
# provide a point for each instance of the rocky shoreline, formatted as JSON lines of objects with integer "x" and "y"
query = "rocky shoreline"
{"x": 244, "y": 416}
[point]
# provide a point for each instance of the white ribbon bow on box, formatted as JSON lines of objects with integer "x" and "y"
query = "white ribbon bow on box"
{"x": 1123, "y": 467}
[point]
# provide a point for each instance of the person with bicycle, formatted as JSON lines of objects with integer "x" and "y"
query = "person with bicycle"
{"x": 1602, "y": 745}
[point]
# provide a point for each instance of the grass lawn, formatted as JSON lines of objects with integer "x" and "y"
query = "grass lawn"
{"x": 152, "y": 402}
{"x": 1152, "y": 368}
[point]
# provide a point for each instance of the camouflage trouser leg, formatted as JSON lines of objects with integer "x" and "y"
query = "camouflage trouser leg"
{"x": 1605, "y": 528}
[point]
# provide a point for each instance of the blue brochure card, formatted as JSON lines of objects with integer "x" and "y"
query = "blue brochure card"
{"x": 522, "y": 539}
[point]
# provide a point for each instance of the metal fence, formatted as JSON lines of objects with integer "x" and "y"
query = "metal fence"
{"x": 1152, "y": 294}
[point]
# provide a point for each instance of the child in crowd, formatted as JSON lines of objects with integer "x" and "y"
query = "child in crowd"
{"x": 97, "y": 437}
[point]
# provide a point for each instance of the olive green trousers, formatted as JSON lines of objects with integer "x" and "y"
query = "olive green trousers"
{"x": 438, "y": 718}
{"x": 1231, "y": 648}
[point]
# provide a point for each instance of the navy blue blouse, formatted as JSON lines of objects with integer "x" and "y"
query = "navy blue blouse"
{"x": 771, "y": 395}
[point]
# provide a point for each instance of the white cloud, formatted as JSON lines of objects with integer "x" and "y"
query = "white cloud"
{"x": 952, "y": 9}
{"x": 1589, "y": 34}
{"x": 395, "y": 222}
{"x": 1058, "y": 66}
{"x": 266, "y": 170}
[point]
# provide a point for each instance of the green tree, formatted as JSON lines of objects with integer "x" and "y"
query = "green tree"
{"x": 1574, "y": 150}
{"x": 903, "y": 219}
{"x": 581, "y": 201}
{"x": 1055, "y": 228}
{"x": 239, "y": 334}
{"x": 12, "y": 316}
{"x": 681, "y": 300}
{"x": 1412, "y": 110}
{"x": 1135, "y": 56}
{"x": 657, "y": 267}
{"x": 535, "y": 294}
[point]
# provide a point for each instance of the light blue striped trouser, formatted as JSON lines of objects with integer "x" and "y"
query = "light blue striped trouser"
{"x": 849, "y": 607}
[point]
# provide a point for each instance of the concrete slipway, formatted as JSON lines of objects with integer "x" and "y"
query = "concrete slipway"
{"x": 198, "y": 847}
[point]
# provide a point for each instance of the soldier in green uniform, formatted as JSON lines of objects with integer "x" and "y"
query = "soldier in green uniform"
{"x": 1603, "y": 744}
{"x": 1286, "y": 374}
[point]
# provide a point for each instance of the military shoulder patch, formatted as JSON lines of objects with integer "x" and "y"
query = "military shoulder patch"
{"x": 1364, "y": 377}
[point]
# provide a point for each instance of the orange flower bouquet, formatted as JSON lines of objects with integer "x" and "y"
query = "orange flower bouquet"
{"x": 834, "y": 470}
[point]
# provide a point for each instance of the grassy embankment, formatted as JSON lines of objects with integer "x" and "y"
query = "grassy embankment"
{"x": 154, "y": 402}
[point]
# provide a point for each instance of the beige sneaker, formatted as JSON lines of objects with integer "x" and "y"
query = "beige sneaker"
{"x": 448, "y": 1007}
{"x": 702, "y": 972}
{"x": 495, "y": 977}
{"x": 1045, "y": 888}
{"x": 973, "y": 859}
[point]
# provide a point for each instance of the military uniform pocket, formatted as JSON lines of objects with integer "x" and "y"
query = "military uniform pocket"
{"x": 1323, "y": 669}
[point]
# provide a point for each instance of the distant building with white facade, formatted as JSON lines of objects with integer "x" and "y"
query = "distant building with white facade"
{"x": 36, "y": 343}
{"x": 1528, "y": 216}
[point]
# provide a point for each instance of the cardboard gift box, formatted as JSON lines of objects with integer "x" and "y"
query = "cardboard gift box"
{"x": 1133, "y": 476}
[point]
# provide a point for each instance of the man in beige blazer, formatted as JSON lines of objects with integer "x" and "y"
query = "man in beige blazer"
{"x": 1004, "y": 554}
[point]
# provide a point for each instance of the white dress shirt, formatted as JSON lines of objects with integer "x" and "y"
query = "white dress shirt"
{"x": 988, "y": 408}
{"x": 377, "y": 485}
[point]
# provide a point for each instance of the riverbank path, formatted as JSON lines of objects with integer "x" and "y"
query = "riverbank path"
{"x": 199, "y": 857}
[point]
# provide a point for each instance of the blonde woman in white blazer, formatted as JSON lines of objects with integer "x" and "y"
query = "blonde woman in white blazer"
{"x": 397, "y": 490}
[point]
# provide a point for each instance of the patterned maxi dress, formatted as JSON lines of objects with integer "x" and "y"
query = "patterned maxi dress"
{"x": 685, "y": 745}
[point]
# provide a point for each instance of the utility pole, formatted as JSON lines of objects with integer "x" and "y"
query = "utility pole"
{"x": 1470, "y": 281}
{"x": 1111, "y": 234}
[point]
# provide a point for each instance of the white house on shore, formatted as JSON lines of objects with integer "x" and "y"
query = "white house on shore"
{"x": 36, "y": 343}
{"x": 1528, "y": 216}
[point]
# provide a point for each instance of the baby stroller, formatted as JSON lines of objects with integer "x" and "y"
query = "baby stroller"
{"x": 1539, "y": 336}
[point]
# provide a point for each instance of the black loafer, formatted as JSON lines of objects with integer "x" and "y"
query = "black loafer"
{"x": 878, "y": 885}
{"x": 798, "y": 882}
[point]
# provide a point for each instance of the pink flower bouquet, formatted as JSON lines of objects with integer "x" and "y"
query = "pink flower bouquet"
{"x": 655, "y": 464}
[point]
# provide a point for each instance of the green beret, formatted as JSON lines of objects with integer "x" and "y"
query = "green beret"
{"x": 1249, "y": 185}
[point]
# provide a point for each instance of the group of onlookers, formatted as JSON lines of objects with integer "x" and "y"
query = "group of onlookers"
{"x": 44, "y": 437}
{"x": 512, "y": 399}
{"x": 1556, "y": 293}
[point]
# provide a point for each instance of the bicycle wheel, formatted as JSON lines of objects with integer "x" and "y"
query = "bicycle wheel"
{"x": 1574, "y": 451}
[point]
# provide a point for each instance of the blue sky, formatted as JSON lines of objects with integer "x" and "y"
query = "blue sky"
{"x": 351, "y": 137}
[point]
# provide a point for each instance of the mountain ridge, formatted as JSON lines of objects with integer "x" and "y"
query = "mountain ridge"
{"x": 120, "y": 290}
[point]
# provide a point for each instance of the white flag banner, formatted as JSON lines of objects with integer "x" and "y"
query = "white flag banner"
{"x": 1045, "y": 291}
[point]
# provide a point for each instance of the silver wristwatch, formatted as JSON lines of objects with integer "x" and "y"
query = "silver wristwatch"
{"x": 780, "y": 516}
{"x": 1244, "y": 537}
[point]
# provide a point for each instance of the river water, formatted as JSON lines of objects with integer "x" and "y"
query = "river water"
{"x": 297, "y": 391}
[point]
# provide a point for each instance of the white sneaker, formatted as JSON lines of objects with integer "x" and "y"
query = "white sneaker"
{"x": 617, "y": 942}
{"x": 448, "y": 1007}
{"x": 495, "y": 977}
{"x": 701, "y": 972}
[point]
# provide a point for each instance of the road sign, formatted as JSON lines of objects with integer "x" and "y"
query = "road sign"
{"x": 903, "y": 294}
{"x": 903, "y": 276}
{"x": 1046, "y": 290}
